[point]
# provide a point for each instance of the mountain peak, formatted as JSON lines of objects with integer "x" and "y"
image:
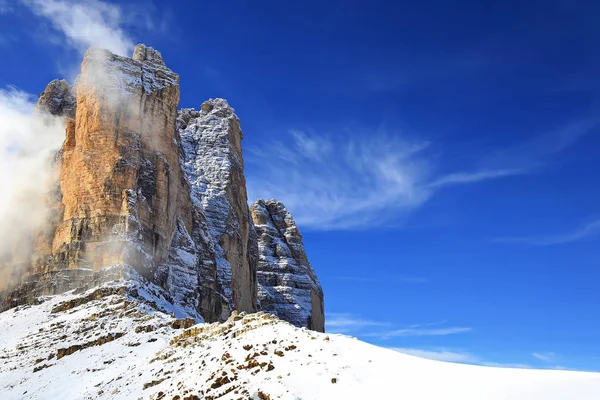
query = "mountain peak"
{"x": 158, "y": 198}
{"x": 143, "y": 53}
{"x": 288, "y": 285}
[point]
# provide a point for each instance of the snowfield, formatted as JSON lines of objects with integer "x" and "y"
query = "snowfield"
{"x": 112, "y": 343}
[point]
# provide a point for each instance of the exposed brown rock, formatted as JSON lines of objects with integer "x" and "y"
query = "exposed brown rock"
{"x": 183, "y": 323}
{"x": 120, "y": 192}
{"x": 97, "y": 342}
{"x": 120, "y": 205}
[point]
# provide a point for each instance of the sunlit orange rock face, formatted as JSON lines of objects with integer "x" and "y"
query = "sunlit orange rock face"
{"x": 121, "y": 183}
{"x": 119, "y": 191}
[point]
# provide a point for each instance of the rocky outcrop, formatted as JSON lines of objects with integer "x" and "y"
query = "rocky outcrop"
{"x": 58, "y": 99}
{"x": 147, "y": 194}
{"x": 121, "y": 205}
{"x": 214, "y": 167}
{"x": 288, "y": 285}
{"x": 122, "y": 194}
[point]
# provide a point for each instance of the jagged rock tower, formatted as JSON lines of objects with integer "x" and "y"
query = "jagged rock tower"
{"x": 288, "y": 285}
{"x": 144, "y": 191}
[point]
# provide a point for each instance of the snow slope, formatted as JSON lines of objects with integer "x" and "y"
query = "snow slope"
{"x": 112, "y": 343}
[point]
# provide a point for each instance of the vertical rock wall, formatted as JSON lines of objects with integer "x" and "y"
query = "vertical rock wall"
{"x": 212, "y": 161}
{"x": 288, "y": 285}
{"x": 120, "y": 177}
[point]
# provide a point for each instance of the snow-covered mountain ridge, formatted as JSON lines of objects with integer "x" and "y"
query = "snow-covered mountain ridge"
{"x": 112, "y": 342}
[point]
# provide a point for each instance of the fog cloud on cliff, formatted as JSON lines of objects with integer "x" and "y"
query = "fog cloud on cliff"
{"x": 85, "y": 23}
{"x": 28, "y": 141}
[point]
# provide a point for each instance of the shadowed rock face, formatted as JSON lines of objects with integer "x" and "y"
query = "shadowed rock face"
{"x": 288, "y": 285}
{"x": 213, "y": 164}
{"x": 58, "y": 99}
{"x": 145, "y": 192}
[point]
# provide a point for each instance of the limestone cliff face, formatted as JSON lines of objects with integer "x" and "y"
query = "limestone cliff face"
{"x": 146, "y": 193}
{"x": 120, "y": 178}
{"x": 213, "y": 164}
{"x": 121, "y": 192}
{"x": 288, "y": 285}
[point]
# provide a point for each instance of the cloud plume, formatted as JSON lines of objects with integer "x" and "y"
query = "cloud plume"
{"x": 85, "y": 23}
{"x": 28, "y": 141}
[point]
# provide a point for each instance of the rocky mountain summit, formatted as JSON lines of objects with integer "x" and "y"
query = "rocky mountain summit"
{"x": 148, "y": 193}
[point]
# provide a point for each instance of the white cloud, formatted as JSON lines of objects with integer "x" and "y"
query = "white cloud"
{"x": 505, "y": 365}
{"x": 547, "y": 356}
{"x": 472, "y": 177}
{"x": 442, "y": 331}
{"x": 347, "y": 183}
{"x": 439, "y": 355}
{"x": 352, "y": 324}
{"x": 365, "y": 179}
{"x": 28, "y": 141}
{"x": 348, "y": 323}
{"x": 449, "y": 355}
{"x": 588, "y": 230}
{"x": 459, "y": 356}
{"x": 531, "y": 155}
{"x": 85, "y": 23}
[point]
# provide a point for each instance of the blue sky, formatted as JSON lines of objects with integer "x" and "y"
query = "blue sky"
{"x": 441, "y": 158}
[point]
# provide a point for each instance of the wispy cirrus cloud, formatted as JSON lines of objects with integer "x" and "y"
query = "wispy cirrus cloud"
{"x": 467, "y": 357}
{"x": 348, "y": 323}
{"x": 535, "y": 153}
{"x": 440, "y": 355}
{"x": 458, "y": 356}
{"x": 472, "y": 177}
{"x": 586, "y": 231}
{"x": 365, "y": 179}
{"x": 340, "y": 183}
{"x": 420, "y": 331}
{"x": 546, "y": 356}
